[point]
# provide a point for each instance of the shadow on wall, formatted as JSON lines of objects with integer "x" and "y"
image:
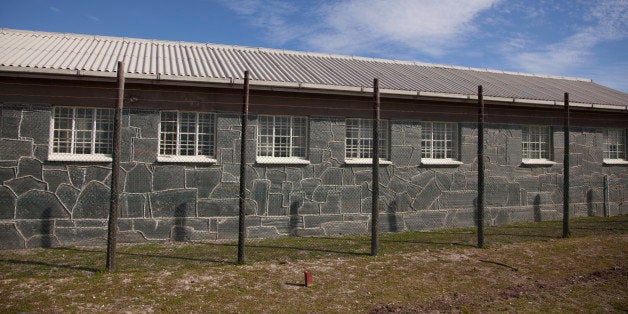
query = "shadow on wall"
{"x": 46, "y": 228}
{"x": 590, "y": 209}
{"x": 180, "y": 232}
{"x": 294, "y": 217}
{"x": 537, "y": 208}
{"x": 392, "y": 216}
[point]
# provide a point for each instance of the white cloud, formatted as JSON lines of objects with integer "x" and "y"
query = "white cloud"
{"x": 609, "y": 23}
{"x": 92, "y": 18}
{"x": 271, "y": 17}
{"x": 428, "y": 26}
{"x": 54, "y": 9}
{"x": 354, "y": 26}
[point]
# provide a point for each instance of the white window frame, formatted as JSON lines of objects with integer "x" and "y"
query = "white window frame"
{"x": 614, "y": 147}
{"x": 363, "y": 146}
{"x": 291, "y": 136}
{"x": 72, "y": 155}
{"x": 197, "y": 156}
{"x": 450, "y": 148}
{"x": 536, "y": 145}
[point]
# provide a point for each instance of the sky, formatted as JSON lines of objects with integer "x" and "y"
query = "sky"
{"x": 574, "y": 38}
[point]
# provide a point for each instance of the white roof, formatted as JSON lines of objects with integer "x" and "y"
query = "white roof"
{"x": 88, "y": 55}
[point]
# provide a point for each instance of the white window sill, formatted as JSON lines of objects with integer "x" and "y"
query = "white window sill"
{"x": 281, "y": 161}
{"x": 184, "y": 159}
{"x": 607, "y": 161}
{"x": 366, "y": 161}
{"x": 537, "y": 162}
{"x": 80, "y": 157}
{"x": 440, "y": 162}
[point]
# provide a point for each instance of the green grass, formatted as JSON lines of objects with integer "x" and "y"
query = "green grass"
{"x": 524, "y": 267}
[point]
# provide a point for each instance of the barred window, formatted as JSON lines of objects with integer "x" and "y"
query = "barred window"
{"x": 82, "y": 134}
{"x": 187, "y": 134}
{"x": 535, "y": 143}
{"x": 359, "y": 139}
{"x": 439, "y": 140}
{"x": 614, "y": 144}
{"x": 282, "y": 137}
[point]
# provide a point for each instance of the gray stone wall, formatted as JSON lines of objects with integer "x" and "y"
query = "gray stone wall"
{"x": 47, "y": 204}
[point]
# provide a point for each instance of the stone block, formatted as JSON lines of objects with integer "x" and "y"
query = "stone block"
{"x": 138, "y": 180}
{"x": 173, "y": 203}
{"x": 318, "y": 220}
{"x": 24, "y": 184}
{"x": 391, "y": 222}
{"x": 309, "y": 208}
{"x": 37, "y": 204}
{"x": 43, "y": 241}
{"x": 29, "y": 167}
{"x": 226, "y": 190}
{"x": 404, "y": 156}
{"x": 93, "y": 201}
{"x": 275, "y": 206}
{"x": 189, "y": 229}
{"x": 460, "y": 218}
{"x": 145, "y": 149}
{"x": 260, "y": 195}
{"x": 77, "y": 176}
{"x": 7, "y": 203}
{"x": 280, "y": 224}
{"x": 147, "y": 121}
{"x": 82, "y": 236}
{"x": 54, "y": 178}
{"x": 154, "y": 229}
{"x": 34, "y": 125}
{"x": 332, "y": 176}
{"x": 308, "y": 186}
{"x": 10, "y": 126}
{"x": 204, "y": 180}
{"x": 262, "y": 232}
{"x": 426, "y": 198}
{"x": 14, "y": 149}
{"x": 422, "y": 220}
{"x": 132, "y": 206}
{"x": 350, "y": 199}
{"x": 11, "y": 238}
{"x": 68, "y": 195}
{"x": 6, "y": 174}
{"x": 457, "y": 199}
{"x": 228, "y": 228}
{"x": 218, "y": 208}
{"x": 344, "y": 227}
{"x": 332, "y": 205}
{"x": 168, "y": 177}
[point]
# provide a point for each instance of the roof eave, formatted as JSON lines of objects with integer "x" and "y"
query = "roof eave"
{"x": 285, "y": 86}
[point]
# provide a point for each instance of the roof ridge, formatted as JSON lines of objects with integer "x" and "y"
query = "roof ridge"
{"x": 293, "y": 52}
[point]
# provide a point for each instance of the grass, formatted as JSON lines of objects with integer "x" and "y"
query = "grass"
{"x": 525, "y": 267}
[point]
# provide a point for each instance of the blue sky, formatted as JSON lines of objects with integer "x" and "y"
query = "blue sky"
{"x": 577, "y": 38}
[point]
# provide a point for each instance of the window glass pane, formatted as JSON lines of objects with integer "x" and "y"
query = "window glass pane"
{"x": 438, "y": 140}
{"x": 62, "y": 130}
{"x": 187, "y": 134}
{"x": 280, "y": 136}
{"x": 359, "y": 138}
{"x": 82, "y": 131}
{"x": 614, "y": 144}
{"x": 535, "y": 142}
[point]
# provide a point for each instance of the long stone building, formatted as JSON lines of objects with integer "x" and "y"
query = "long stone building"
{"x": 309, "y": 142}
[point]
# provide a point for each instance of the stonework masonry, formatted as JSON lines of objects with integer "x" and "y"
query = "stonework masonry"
{"x": 49, "y": 204}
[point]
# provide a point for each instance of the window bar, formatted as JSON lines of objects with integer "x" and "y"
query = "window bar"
{"x": 72, "y": 135}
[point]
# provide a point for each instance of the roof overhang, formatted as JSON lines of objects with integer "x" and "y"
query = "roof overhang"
{"x": 159, "y": 79}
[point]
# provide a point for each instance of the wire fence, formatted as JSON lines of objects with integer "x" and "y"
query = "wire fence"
{"x": 315, "y": 178}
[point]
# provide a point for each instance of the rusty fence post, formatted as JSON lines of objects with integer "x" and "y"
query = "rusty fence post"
{"x": 480, "y": 201}
{"x": 375, "y": 179}
{"x": 242, "y": 213}
{"x": 114, "y": 201}
{"x": 566, "y": 231}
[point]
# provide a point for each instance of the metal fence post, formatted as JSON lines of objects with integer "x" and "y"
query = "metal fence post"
{"x": 375, "y": 179}
{"x": 607, "y": 212}
{"x": 480, "y": 200}
{"x": 566, "y": 231}
{"x": 242, "y": 214}
{"x": 112, "y": 231}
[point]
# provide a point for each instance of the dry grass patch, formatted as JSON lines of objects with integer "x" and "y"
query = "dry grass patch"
{"x": 526, "y": 268}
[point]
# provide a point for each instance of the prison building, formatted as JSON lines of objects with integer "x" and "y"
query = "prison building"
{"x": 309, "y": 142}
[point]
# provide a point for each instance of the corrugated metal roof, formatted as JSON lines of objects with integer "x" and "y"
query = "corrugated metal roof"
{"x": 44, "y": 52}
